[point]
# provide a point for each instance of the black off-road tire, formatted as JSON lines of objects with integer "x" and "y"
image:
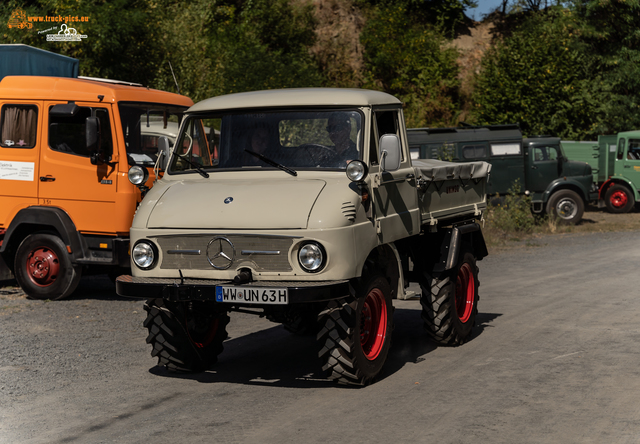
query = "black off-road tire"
{"x": 619, "y": 199}
{"x": 355, "y": 334}
{"x": 450, "y": 302}
{"x": 567, "y": 206}
{"x": 43, "y": 267}
{"x": 185, "y": 339}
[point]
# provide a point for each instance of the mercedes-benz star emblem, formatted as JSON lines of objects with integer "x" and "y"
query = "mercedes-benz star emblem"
{"x": 224, "y": 253}
{"x": 228, "y": 200}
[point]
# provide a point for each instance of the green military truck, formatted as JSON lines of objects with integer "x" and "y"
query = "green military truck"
{"x": 305, "y": 208}
{"x": 556, "y": 185}
{"x": 615, "y": 161}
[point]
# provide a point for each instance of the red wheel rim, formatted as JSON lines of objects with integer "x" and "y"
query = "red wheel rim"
{"x": 465, "y": 292}
{"x": 43, "y": 266}
{"x": 373, "y": 324}
{"x": 618, "y": 199}
{"x": 202, "y": 338}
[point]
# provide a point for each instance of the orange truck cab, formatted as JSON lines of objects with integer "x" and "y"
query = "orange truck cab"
{"x": 68, "y": 147}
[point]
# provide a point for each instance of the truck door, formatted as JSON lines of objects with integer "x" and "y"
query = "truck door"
{"x": 544, "y": 166}
{"x": 630, "y": 161}
{"x": 507, "y": 162}
{"x": 20, "y": 133}
{"x": 395, "y": 195}
{"x": 67, "y": 178}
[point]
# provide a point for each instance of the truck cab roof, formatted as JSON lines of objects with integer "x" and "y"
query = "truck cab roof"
{"x": 537, "y": 140}
{"x": 295, "y": 97}
{"x": 489, "y": 133}
{"x": 83, "y": 90}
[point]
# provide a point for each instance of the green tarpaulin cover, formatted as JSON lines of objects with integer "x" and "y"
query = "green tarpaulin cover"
{"x": 24, "y": 60}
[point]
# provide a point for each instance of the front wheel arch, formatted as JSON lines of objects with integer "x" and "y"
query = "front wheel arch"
{"x": 44, "y": 269}
{"x": 619, "y": 198}
{"x": 566, "y": 205}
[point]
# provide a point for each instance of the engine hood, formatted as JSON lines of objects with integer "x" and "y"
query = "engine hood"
{"x": 236, "y": 204}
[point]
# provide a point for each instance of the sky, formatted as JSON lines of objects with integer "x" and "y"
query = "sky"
{"x": 484, "y": 7}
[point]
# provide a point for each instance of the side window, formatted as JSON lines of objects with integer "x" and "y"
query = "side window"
{"x": 474, "y": 152}
{"x": 621, "y": 144}
{"x": 634, "y": 149}
{"x": 387, "y": 123}
{"x": 543, "y": 153}
{"x": 106, "y": 143}
{"x": 505, "y": 149}
{"x": 67, "y": 134}
{"x": 441, "y": 151}
{"x": 373, "y": 148}
{"x": 18, "y": 125}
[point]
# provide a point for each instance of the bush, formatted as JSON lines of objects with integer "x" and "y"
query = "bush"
{"x": 511, "y": 214}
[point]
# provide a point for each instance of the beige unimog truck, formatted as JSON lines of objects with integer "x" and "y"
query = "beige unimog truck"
{"x": 304, "y": 206}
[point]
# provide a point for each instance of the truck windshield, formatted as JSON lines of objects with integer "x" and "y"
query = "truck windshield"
{"x": 293, "y": 139}
{"x": 143, "y": 124}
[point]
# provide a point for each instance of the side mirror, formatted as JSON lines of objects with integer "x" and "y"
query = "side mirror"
{"x": 92, "y": 129}
{"x": 163, "y": 152}
{"x": 390, "y": 155}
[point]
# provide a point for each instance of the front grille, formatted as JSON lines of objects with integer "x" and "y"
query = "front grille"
{"x": 262, "y": 253}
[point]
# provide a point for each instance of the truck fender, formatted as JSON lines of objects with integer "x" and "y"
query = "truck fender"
{"x": 386, "y": 260}
{"x": 37, "y": 218}
{"x": 469, "y": 233}
{"x": 618, "y": 180}
{"x": 400, "y": 289}
{"x": 564, "y": 184}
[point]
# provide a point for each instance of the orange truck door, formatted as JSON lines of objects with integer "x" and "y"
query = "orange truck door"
{"x": 68, "y": 179}
{"x": 20, "y": 136}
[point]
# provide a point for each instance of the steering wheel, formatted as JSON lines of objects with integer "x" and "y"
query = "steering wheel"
{"x": 318, "y": 153}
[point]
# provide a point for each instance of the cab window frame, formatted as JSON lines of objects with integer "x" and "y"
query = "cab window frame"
{"x": 79, "y": 147}
{"x": 30, "y": 120}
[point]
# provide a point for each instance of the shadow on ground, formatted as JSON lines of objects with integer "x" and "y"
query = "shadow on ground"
{"x": 275, "y": 357}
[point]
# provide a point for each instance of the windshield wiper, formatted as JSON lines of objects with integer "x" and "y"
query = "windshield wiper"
{"x": 202, "y": 172}
{"x": 272, "y": 163}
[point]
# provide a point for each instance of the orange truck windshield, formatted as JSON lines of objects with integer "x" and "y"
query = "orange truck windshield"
{"x": 143, "y": 124}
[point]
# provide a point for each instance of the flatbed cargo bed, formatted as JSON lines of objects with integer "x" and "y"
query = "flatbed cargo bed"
{"x": 451, "y": 190}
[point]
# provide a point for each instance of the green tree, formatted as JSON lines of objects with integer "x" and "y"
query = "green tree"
{"x": 265, "y": 45}
{"x": 447, "y": 15}
{"x": 412, "y": 62}
{"x": 120, "y": 36}
{"x": 214, "y": 47}
{"x": 541, "y": 77}
{"x": 612, "y": 36}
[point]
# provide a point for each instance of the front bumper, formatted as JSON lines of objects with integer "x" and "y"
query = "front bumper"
{"x": 205, "y": 289}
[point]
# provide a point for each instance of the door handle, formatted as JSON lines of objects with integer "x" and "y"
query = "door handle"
{"x": 47, "y": 179}
{"x": 410, "y": 176}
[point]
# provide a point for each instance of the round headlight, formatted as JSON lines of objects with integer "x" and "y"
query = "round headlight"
{"x": 138, "y": 175}
{"x": 144, "y": 255}
{"x": 311, "y": 257}
{"x": 356, "y": 170}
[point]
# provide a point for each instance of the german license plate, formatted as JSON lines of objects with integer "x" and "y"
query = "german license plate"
{"x": 252, "y": 295}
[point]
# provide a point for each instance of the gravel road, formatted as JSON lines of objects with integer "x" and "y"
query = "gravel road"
{"x": 554, "y": 359}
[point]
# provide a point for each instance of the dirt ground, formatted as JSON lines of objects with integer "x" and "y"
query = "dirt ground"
{"x": 553, "y": 359}
{"x": 595, "y": 220}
